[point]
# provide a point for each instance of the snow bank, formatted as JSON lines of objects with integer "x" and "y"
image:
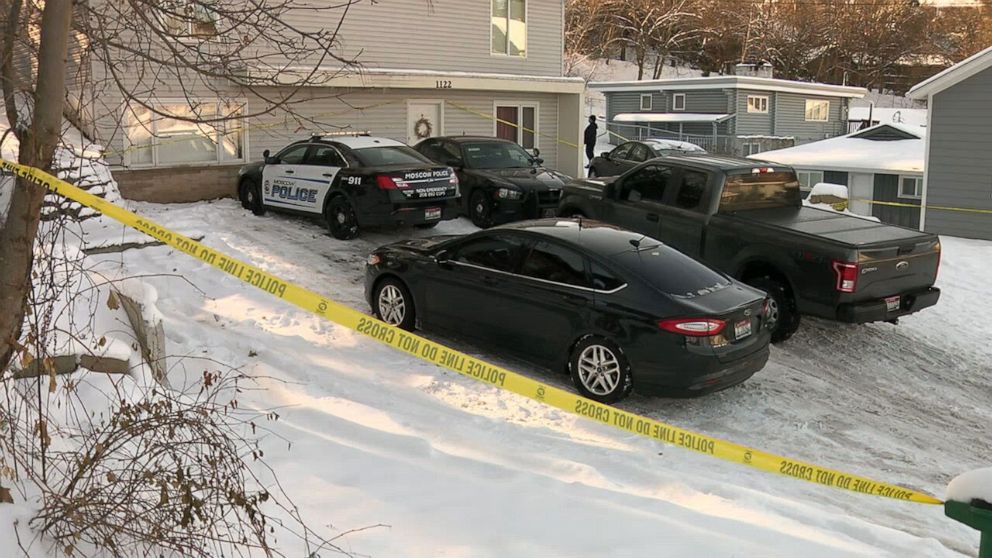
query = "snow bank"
{"x": 973, "y": 485}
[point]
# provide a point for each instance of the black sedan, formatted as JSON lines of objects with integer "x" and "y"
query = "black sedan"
{"x": 614, "y": 308}
{"x": 632, "y": 153}
{"x": 500, "y": 181}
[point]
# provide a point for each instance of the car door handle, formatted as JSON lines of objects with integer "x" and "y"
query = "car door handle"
{"x": 652, "y": 217}
{"x": 290, "y": 171}
{"x": 328, "y": 174}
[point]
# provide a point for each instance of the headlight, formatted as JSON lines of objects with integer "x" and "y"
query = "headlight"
{"x": 373, "y": 259}
{"x": 509, "y": 194}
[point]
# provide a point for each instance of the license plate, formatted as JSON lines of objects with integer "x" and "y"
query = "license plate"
{"x": 432, "y": 213}
{"x": 550, "y": 212}
{"x": 742, "y": 329}
{"x": 892, "y": 303}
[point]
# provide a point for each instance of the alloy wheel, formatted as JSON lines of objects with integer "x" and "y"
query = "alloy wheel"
{"x": 599, "y": 369}
{"x": 392, "y": 305}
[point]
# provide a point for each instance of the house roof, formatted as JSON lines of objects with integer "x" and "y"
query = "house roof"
{"x": 953, "y": 75}
{"x": 731, "y": 82}
{"x": 858, "y": 154}
{"x": 670, "y": 117}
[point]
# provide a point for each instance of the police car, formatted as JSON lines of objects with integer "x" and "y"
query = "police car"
{"x": 352, "y": 181}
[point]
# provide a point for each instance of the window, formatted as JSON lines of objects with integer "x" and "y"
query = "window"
{"x": 517, "y": 123}
{"x": 646, "y": 101}
{"x": 623, "y": 152}
{"x": 188, "y": 19}
{"x": 509, "y": 27}
{"x": 497, "y": 252}
{"x": 808, "y": 179}
{"x": 672, "y": 271}
{"x": 751, "y": 148}
{"x": 443, "y": 152}
{"x": 692, "y": 190}
{"x": 678, "y": 101}
{"x": 326, "y": 156}
{"x": 558, "y": 264}
{"x": 817, "y": 110}
{"x": 208, "y": 132}
{"x": 761, "y": 190}
{"x": 391, "y": 155}
{"x": 911, "y": 187}
{"x": 496, "y": 155}
{"x": 603, "y": 279}
{"x": 758, "y": 104}
{"x": 640, "y": 153}
{"x": 647, "y": 184}
{"x": 293, "y": 155}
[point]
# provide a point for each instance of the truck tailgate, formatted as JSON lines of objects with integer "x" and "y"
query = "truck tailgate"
{"x": 895, "y": 267}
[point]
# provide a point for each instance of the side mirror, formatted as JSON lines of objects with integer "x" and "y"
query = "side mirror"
{"x": 537, "y": 152}
{"x": 605, "y": 155}
{"x": 538, "y": 161}
{"x": 442, "y": 257}
{"x": 269, "y": 159}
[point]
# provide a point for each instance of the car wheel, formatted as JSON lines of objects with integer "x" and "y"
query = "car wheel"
{"x": 600, "y": 370}
{"x": 783, "y": 316}
{"x": 243, "y": 187}
{"x": 253, "y": 199}
{"x": 480, "y": 209}
{"x": 427, "y": 225}
{"x": 341, "y": 219}
{"x": 393, "y": 304}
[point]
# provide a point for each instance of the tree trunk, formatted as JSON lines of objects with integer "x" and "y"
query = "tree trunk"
{"x": 37, "y": 147}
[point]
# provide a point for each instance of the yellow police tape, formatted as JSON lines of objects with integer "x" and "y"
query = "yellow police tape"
{"x": 470, "y": 366}
{"x": 929, "y": 207}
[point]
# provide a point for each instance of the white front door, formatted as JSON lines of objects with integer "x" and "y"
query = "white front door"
{"x": 862, "y": 187}
{"x": 424, "y": 119}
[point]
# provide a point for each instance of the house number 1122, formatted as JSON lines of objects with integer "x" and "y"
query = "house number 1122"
{"x": 443, "y": 84}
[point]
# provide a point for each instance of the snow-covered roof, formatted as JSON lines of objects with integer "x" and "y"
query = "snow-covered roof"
{"x": 953, "y": 75}
{"x": 849, "y": 153}
{"x": 669, "y": 117}
{"x": 888, "y": 115}
{"x": 358, "y": 142}
{"x": 732, "y": 82}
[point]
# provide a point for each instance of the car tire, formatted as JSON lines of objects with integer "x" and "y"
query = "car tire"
{"x": 393, "y": 304}
{"x": 783, "y": 316}
{"x": 243, "y": 187}
{"x": 599, "y": 370}
{"x": 427, "y": 225}
{"x": 480, "y": 209}
{"x": 253, "y": 198}
{"x": 341, "y": 219}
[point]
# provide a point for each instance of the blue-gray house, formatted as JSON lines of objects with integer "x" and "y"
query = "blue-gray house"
{"x": 737, "y": 114}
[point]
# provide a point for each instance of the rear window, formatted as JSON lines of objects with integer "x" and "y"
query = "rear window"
{"x": 760, "y": 191}
{"x": 391, "y": 155}
{"x": 671, "y": 271}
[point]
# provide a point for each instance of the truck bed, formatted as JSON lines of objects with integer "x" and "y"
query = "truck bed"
{"x": 850, "y": 231}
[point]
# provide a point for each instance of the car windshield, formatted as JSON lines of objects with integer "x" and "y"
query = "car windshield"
{"x": 496, "y": 155}
{"x": 391, "y": 155}
{"x": 760, "y": 188}
{"x": 670, "y": 271}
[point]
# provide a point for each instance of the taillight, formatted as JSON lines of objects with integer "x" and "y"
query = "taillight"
{"x": 453, "y": 180}
{"x": 693, "y": 327}
{"x": 936, "y": 273}
{"x": 847, "y": 276}
{"x": 388, "y": 182}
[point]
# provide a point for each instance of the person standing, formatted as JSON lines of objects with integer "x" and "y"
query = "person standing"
{"x": 592, "y": 130}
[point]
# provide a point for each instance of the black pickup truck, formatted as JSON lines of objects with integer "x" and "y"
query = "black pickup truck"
{"x": 746, "y": 218}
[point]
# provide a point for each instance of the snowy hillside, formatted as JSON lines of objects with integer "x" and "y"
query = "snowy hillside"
{"x": 448, "y": 467}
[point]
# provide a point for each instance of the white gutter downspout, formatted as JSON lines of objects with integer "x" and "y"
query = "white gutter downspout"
{"x": 926, "y": 164}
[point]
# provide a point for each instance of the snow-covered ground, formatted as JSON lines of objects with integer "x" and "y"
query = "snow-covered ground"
{"x": 455, "y": 468}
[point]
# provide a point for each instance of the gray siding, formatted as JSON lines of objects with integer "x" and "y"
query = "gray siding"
{"x": 960, "y": 159}
{"x": 702, "y": 101}
{"x": 790, "y": 118}
{"x": 449, "y": 35}
{"x": 717, "y": 101}
{"x": 754, "y": 124}
{"x": 887, "y": 190}
{"x": 835, "y": 177}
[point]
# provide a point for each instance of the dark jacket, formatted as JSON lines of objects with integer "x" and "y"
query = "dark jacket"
{"x": 590, "y": 136}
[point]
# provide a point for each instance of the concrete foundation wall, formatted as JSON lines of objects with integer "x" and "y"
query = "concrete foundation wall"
{"x": 178, "y": 184}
